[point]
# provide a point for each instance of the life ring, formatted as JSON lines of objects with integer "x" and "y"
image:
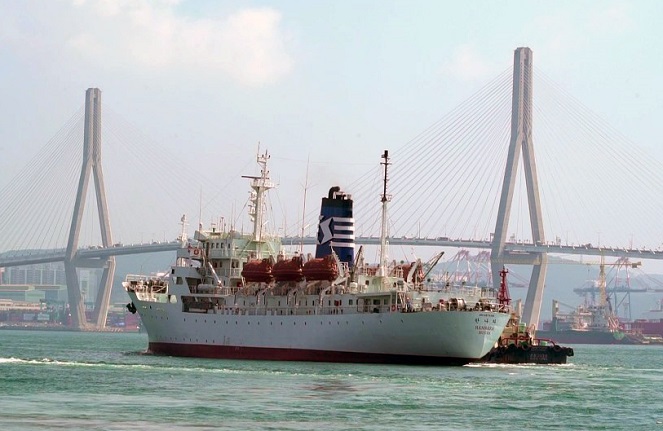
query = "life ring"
{"x": 196, "y": 251}
{"x": 557, "y": 348}
{"x": 526, "y": 347}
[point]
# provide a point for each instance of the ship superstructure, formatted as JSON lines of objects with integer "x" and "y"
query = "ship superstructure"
{"x": 241, "y": 296}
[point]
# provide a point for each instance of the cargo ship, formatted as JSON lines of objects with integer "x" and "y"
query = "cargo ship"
{"x": 586, "y": 324}
{"x": 593, "y": 322}
{"x": 650, "y": 326}
{"x": 241, "y": 296}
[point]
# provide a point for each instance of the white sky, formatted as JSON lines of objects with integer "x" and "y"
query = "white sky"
{"x": 321, "y": 79}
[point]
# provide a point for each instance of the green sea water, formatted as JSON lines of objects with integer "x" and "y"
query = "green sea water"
{"x": 105, "y": 381}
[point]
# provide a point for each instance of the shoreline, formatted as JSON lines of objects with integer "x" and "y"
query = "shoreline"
{"x": 62, "y": 328}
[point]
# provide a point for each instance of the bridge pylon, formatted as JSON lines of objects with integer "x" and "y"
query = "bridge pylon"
{"x": 521, "y": 140}
{"x": 91, "y": 166}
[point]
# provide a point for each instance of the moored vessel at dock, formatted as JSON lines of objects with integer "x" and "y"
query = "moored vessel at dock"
{"x": 241, "y": 296}
{"x": 593, "y": 322}
{"x": 586, "y": 325}
{"x": 649, "y": 327}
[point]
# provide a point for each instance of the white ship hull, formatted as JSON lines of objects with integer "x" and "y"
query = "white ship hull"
{"x": 240, "y": 296}
{"x": 436, "y": 337}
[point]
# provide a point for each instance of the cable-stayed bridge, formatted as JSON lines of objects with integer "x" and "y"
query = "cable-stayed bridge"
{"x": 471, "y": 180}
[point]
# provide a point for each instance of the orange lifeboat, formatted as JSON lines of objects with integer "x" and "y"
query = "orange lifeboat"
{"x": 288, "y": 269}
{"x": 258, "y": 271}
{"x": 323, "y": 268}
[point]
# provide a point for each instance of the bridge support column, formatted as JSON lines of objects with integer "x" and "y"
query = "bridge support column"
{"x": 91, "y": 165}
{"x": 521, "y": 140}
{"x": 103, "y": 294}
{"x": 76, "y": 306}
{"x": 532, "y": 311}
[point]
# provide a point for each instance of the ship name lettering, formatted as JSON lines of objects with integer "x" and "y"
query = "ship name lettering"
{"x": 484, "y": 329}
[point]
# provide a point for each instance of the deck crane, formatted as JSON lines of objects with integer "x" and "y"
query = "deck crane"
{"x": 428, "y": 266}
{"x": 359, "y": 262}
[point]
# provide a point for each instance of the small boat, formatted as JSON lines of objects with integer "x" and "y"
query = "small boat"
{"x": 289, "y": 269}
{"x": 323, "y": 268}
{"x": 534, "y": 351}
{"x": 258, "y": 271}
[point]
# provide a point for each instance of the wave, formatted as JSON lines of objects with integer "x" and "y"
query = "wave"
{"x": 48, "y": 361}
{"x": 525, "y": 365}
{"x": 13, "y": 360}
{"x": 153, "y": 367}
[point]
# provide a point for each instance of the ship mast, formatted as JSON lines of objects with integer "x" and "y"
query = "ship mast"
{"x": 503, "y": 295}
{"x": 383, "y": 225}
{"x": 183, "y": 222}
{"x": 260, "y": 185}
{"x": 301, "y": 243}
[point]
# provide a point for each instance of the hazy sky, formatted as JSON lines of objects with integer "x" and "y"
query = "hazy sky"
{"x": 329, "y": 81}
{"x": 321, "y": 79}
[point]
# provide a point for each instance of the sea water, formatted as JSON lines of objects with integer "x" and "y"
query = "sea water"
{"x": 106, "y": 381}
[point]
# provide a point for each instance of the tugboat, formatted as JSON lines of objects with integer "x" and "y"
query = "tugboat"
{"x": 518, "y": 345}
{"x": 521, "y": 348}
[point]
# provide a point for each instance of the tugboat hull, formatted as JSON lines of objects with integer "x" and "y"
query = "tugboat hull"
{"x": 528, "y": 355}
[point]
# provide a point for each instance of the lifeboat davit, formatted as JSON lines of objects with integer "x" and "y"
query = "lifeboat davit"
{"x": 258, "y": 271}
{"x": 323, "y": 268}
{"x": 288, "y": 269}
